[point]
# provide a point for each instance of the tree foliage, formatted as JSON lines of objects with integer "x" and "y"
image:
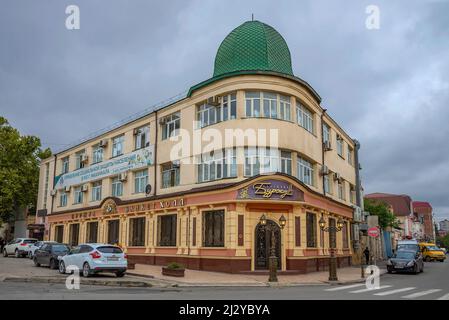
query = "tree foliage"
{"x": 443, "y": 241}
{"x": 381, "y": 209}
{"x": 19, "y": 169}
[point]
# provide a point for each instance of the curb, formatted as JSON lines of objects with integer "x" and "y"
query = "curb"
{"x": 112, "y": 283}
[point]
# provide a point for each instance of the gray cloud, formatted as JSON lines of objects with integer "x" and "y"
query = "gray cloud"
{"x": 388, "y": 88}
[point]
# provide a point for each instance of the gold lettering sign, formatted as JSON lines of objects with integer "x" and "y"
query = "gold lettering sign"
{"x": 266, "y": 191}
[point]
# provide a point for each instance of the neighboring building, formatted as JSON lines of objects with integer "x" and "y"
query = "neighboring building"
{"x": 203, "y": 209}
{"x": 424, "y": 214}
{"x": 444, "y": 225}
{"x": 402, "y": 207}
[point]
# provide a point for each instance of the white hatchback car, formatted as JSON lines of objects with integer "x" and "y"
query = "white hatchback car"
{"x": 19, "y": 247}
{"x": 92, "y": 258}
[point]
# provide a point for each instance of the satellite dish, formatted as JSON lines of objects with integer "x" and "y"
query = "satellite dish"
{"x": 148, "y": 189}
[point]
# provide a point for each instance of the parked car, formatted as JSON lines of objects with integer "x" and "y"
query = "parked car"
{"x": 49, "y": 253}
{"x": 18, "y": 247}
{"x": 92, "y": 258}
{"x": 431, "y": 252}
{"x": 35, "y": 246}
{"x": 406, "y": 261}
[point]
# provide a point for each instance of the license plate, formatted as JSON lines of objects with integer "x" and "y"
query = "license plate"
{"x": 399, "y": 267}
{"x": 112, "y": 259}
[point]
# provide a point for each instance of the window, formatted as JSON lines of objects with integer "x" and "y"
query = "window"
{"x": 79, "y": 159}
{"x": 170, "y": 174}
{"x": 62, "y": 199}
{"x": 209, "y": 114}
{"x": 78, "y": 195}
{"x": 311, "y": 230}
{"x": 286, "y": 162}
{"x": 352, "y": 193}
{"x": 137, "y": 232}
{"x": 97, "y": 154}
{"x": 140, "y": 181}
{"x": 327, "y": 184}
{"x": 113, "y": 231}
{"x": 74, "y": 234}
{"x": 341, "y": 190}
{"x": 261, "y": 160}
{"x": 59, "y": 234}
{"x": 167, "y": 230}
{"x": 284, "y": 108}
{"x": 142, "y": 137}
{"x": 92, "y": 232}
{"x": 213, "y": 222}
{"x": 350, "y": 153}
{"x": 326, "y": 133}
{"x": 305, "y": 171}
{"x": 117, "y": 187}
{"x": 344, "y": 231}
{"x": 267, "y": 105}
{"x": 171, "y": 125}
{"x": 217, "y": 165}
{"x": 117, "y": 146}
{"x": 340, "y": 145}
{"x": 96, "y": 191}
{"x": 65, "y": 165}
{"x": 304, "y": 117}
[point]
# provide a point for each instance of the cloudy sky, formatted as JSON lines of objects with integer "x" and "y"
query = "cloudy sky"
{"x": 389, "y": 88}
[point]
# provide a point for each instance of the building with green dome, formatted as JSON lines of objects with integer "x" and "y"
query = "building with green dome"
{"x": 213, "y": 178}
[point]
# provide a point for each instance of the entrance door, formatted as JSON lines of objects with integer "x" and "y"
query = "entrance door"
{"x": 113, "y": 231}
{"x": 263, "y": 244}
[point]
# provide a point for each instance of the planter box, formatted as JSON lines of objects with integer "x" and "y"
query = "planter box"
{"x": 173, "y": 272}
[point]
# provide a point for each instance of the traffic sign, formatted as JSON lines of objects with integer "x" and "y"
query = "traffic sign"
{"x": 373, "y": 232}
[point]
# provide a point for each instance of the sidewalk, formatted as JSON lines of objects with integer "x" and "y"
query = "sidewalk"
{"x": 206, "y": 278}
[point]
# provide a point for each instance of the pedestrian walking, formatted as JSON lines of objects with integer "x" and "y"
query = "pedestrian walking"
{"x": 366, "y": 253}
{"x": 2, "y": 244}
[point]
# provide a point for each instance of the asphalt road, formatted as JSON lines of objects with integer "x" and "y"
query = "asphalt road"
{"x": 432, "y": 284}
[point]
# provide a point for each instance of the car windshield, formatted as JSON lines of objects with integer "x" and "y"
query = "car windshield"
{"x": 109, "y": 249}
{"x": 407, "y": 246}
{"x": 29, "y": 241}
{"x": 432, "y": 248}
{"x": 405, "y": 255}
{"x": 60, "y": 248}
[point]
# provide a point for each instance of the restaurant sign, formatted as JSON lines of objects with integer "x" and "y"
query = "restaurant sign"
{"x": 271, "y": 189}
{"x": 134, "y": 160}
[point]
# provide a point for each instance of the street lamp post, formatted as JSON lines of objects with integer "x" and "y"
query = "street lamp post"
{"x": 272, "y": 260}
{"x": 333, "y": 237}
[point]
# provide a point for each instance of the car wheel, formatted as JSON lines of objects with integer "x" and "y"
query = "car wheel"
{"x": 415, "y": 269}
{"x": 16, "y": 254}
{"x": 389, "y": 271}
{"x": 86, "y": 270}
{"x": 53, "y": 264}
{"x": 61, "y": 267}
{"x": 120, "y": 274}
{"x": 428, "y": 259}
{"x": 5, "y": 254}
{"x": 37, "y": 264}
{"x": 29, "y": 255}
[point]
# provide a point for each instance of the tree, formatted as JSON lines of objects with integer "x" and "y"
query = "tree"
{"x": 381, "y": 209}
{"x": 443, "y": 241}
{"x": 19, "y": 170}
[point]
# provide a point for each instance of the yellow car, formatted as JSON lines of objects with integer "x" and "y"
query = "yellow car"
{"x": 431, "y": 252}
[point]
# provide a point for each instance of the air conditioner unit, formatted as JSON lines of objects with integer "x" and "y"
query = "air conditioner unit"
{"x": 337, "y": 176}
{"x": 123, "y": 176}
{"x": 67, "y": 189}
{"x": 324, "y": 170}
{"x": 214, "y": 101}
{"x": 103, "y": 143}
{"x": 53, "y": 193}
{"x": 327, "y": 146}
{"x": 84, "y": 188}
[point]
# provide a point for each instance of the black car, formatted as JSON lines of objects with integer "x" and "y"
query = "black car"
{"x": 48, "y": 254}
{"x": 406, "y": 261}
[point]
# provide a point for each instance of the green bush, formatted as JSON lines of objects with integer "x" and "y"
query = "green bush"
{"x": 175, "y": 266}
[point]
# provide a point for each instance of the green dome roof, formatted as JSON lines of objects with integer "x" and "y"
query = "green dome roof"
{"x": 253, "y": 46}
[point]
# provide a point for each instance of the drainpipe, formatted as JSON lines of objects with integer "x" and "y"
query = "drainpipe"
{"x": 322, "y": 147}
{"x": 358, "y": 186}
{"x": 155, "y": 155}
{"x": 52, "y": 198}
